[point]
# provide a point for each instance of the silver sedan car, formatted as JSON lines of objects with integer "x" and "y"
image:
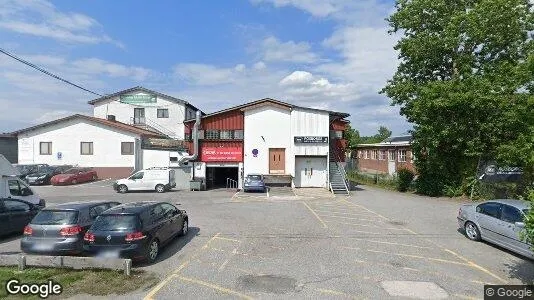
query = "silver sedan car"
{"x": 497, "y": 221}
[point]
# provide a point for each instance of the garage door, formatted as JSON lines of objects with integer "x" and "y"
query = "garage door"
{"x": 310, "y": 171}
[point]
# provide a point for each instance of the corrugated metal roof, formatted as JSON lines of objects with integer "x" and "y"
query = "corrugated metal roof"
{"x": 399, "y": 139}
{"x": 114, "y": 124}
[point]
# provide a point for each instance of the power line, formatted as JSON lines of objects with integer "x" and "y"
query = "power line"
{"x": 46, "y": 72}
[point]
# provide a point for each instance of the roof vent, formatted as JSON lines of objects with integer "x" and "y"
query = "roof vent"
{"x": 111, "y": 118}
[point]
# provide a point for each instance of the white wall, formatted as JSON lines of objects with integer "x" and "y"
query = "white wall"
{"x": 309, "y": 123}
{"x": 274, "y": 124}
{"x": 66, "y": 138}
{"x": 160, "y": 158}
{"x": 124, "y": 112}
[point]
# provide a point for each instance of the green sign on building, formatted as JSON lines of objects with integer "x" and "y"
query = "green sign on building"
{"x": 138, "y": 99}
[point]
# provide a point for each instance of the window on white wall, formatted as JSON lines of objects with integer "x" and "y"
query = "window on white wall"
{"x": 127, "y": 148}
{"x": 163, "y": 113}
{"x": 86, "y": 148}
{"x": 402, "y": 155}
{"x": 45, "y": 148}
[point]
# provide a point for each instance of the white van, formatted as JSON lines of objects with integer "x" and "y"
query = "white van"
{"x": 158, "y": 179}
{"x": 11, "y": 186}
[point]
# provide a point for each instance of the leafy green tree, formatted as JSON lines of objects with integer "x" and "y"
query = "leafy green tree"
{"x": 383, "y": 133}
{"x": 352, "y": 136}
{"x": 466, "y": 70}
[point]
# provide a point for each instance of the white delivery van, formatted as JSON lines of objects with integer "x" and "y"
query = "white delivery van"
{"x": 158, "y": 179}
{"x": 11, "y": 186}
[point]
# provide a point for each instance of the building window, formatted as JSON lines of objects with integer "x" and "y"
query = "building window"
{"x": 359, "y": 153}
{"x": 402, "y": 155}
{"x": 338, "y": 134}
{"x": 391, "y": 155}
{"x": 366, "y": 154}
{"x": 373, "y": 154}
{"x": 173, "y": 159}
{"x": 212, "y": 134}
{"x": 225, "y": 134}
{"x": 163, "y": 113}
{"x": 382, "y": 155}
{"x": 238, "y": 134}
{"x": 45, "y": 148}
{"x": 86, "y": 148}
{"x": 127, "y": 148}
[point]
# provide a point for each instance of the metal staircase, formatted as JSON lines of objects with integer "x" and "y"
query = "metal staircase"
{"x": 150, "y": 125}
{"x": 338, "y": 177}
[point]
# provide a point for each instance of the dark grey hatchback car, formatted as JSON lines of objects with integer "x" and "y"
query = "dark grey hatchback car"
{"x": 60, "y": 229}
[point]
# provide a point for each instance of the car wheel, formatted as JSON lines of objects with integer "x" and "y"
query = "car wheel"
{"x": 185, "y": 228}
{"x": 471, "y": 231}
{"x": 160, "y": 188}
{"x": 122, "y": 189}
{"x": 74, "y": 181}
{"x": 152, "y": 251}
{"x": 94, "y": 177}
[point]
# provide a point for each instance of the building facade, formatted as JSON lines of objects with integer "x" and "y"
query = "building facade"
{"x": 287, "y": 143}
{"x": 386, "y": 157}
{"x": 9, "y": 147}
{"x": 146, "y": 109}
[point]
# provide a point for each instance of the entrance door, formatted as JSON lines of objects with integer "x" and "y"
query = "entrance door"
{"x": 139, "y": 116}
{"x": 391, "y": 162}
{"x": 310, "y": 171}
{"x": 277, "y": 161}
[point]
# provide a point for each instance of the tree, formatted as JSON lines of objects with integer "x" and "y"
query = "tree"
{"x": 352, "y": 136}
{"x": 466, "y": 71}
{"x": 383, "y": 133}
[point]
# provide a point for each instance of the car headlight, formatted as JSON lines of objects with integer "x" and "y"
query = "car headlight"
{"x": 41, "y": 177}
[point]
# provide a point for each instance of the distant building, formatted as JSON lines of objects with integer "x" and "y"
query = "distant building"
{"x": 387, "y": 156}
{"x": 9, "y": 147}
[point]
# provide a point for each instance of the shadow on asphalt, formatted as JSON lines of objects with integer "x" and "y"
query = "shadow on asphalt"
{"x": 9, "y": 237}
{"x": 354, "y": 186}
{"x": 173, "y": 246}
{"x": 522, "y": 270}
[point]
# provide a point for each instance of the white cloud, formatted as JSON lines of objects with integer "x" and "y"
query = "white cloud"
{"x": 204, "y": 74}
{"x": 41, "y": 18}
{"x": 296, "y": 52}
{"x": 260, "y": 65}
{"x": 102, "y": 67}
{"x": 318, "y": 8}
{"x": 305, "y": 86}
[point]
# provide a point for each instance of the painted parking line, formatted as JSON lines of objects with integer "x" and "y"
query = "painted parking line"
{"x": 349, "y": 218}
{"x": 315, "y": 214}
{"x": 213, "y": 286}
{"x": 364, "y": 225}
{"x": 342, "y": 213}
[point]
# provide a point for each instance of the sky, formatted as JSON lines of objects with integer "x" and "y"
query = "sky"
{"x": 327, "y": 54}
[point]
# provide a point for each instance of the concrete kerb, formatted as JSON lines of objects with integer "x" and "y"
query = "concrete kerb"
{"x": 72, "y": 262}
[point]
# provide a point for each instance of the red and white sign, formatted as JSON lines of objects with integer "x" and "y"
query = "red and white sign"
{"x": 221, "y": 154}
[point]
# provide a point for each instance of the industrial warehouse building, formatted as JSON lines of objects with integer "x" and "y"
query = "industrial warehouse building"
{"x": 386, "y": 157}
{"x": 139, "y": 128}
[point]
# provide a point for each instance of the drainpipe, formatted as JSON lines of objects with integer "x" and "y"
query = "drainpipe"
{"x": 195, "y": 141}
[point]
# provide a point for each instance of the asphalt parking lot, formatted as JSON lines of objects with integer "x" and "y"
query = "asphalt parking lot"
{"x": 287, "y": 244}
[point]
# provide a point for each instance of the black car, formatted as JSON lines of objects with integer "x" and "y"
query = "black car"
{"x": 24, "y": 170}
{"x": 45, "y": 173}
{"x": 15, "y": 214}
{"x": 60, "y": 229}
{"x": 135, "y": 230}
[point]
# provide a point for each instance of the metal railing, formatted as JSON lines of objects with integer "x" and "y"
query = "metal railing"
{"x": 231, "y": 184}
{"x": 341, "y": 168}
{"x": 150, "y": 123}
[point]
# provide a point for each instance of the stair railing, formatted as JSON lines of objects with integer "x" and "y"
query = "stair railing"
{"x": 341, "y": 168}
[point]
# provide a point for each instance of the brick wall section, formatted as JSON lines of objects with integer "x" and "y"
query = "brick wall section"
{"x": 339, "y": 145}
{"x": 381, "y": 166}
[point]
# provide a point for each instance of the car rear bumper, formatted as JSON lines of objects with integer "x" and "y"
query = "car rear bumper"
{"x": 133, "y": 251}
{"x": 51, "y": 245}
{"x": 254, "y": 187}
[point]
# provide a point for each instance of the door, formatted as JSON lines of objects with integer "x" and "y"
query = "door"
{"x": 174, "y": 220}
{"x": 510, "y": 231}
{"x": 20, "y": 214}
{"x": 139, "y": 116}
{"x": 488, "y": 217}
{"x": 136, "y": 181}
{"x": 391, "y": 162}
{"x": 310, "y": 171}
{"x": 277, "y": 161}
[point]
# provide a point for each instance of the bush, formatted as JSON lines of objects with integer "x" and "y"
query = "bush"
{"x": 404, "y": 179}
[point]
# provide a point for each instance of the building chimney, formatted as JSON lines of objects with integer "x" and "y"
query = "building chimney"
{"x": 111, "y": 118}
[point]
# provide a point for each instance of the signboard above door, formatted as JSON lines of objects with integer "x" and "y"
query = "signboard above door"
{"x": 221, "y": 154}
{"x": 311, "y": 139}
{"x": 138, "y": 99}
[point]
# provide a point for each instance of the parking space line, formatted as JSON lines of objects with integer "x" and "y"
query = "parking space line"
{"x": 332, "y": 292}
{"x": 365, "y": 225}
{"x": 213, "y": 286}
{"x": 420, "y": 257}
{"x": 342, "y": 213}
{"x": 476, "y": 266}
{"x": 316, "y": 215}
{"x": 359, "y": 219}
{"x": 393, "y": 243}
{"x": 365, "y": 208}
{"x": 227, "y": 239}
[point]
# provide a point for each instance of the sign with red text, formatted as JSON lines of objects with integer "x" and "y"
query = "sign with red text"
{"x": 221, "y": 154}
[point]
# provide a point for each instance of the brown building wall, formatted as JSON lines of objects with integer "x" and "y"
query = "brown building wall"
{"x": 339, "y": 146}
{"x": 381, "y": 166}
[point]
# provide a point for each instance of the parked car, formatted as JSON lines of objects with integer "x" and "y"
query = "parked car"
{"x": 15, "y": 214}
{"x": 44, "y": 174}
{"x": 158, "y": 179}
{"x": 24, "y": 170}
{"x": 254, "y": 182}
{"x": 136, "y": 230}
{"x": 60, "y": 229}
{"x": 497, "y": 221}
{"x": 74, "y": 176}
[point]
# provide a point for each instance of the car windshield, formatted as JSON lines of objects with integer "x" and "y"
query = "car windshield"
{"x": 55, "y": 217}
{"x": 254, "y": 177}
{"x": 115, "y": 223}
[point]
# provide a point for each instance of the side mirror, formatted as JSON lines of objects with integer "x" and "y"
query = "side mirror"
{"x": 520, "y": 224}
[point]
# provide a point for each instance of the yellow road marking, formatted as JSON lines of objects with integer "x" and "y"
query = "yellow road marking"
{"x": 420, "y": 257}
{"x": 227, "y": 239}
{"x": 316, "y": 215}
{"x": 224, "y": 264}
{"x": 158, "y": 287}
{"x": 365, "y": 208}
{"x": 475, "y": 266}
{"x": 352, "y": 248}
{"x": 214, "y": 286}
{"x": 342, "y": 213}
{"x": 393, "y": 243}
{"x": 337, "y": 293}
{"x": 364, "y": 225}
{"x": 349, "y": 218}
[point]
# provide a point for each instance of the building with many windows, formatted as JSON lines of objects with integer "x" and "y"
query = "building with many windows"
{"x": 386, "y": 157}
